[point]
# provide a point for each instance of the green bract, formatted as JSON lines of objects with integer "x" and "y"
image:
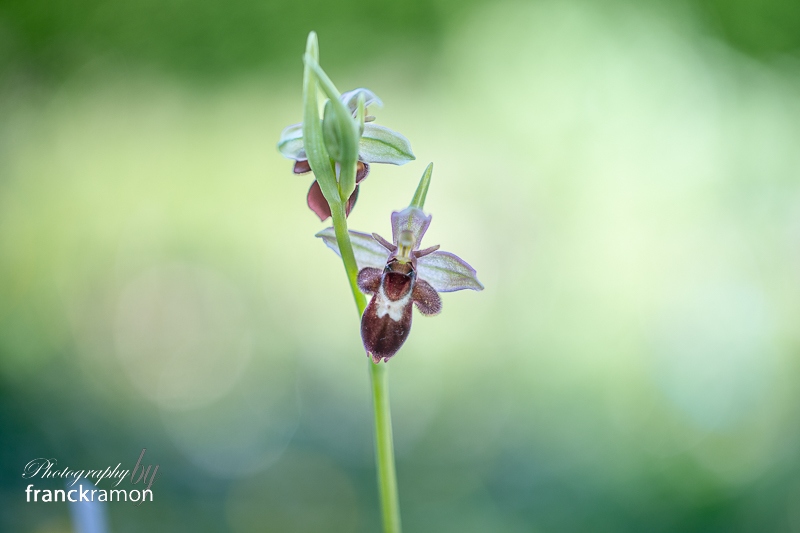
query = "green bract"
{"x": 340, "y": 147}
{"x": 333, "y": 132}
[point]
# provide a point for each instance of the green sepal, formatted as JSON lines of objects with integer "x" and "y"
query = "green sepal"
{"x": 290, "y": 144}
{"x": 379, "y": 144}
{"x": 367, "y": 251}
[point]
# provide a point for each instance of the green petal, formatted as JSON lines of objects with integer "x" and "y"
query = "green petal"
{"x": 379, "y": 144}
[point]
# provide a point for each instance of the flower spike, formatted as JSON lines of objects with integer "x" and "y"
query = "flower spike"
{"x": 339, "y": 148}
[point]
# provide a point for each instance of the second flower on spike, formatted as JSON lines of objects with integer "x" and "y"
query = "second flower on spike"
{"x": 377, "y": 144}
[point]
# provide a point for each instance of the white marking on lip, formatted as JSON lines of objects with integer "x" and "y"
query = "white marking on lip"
{"x": 394, "y": 309}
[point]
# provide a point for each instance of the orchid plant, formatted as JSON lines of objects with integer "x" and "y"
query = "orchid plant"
{"x": 339, "y": 149}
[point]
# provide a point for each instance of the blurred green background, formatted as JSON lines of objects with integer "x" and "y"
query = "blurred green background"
{"x": 625, "y": 177}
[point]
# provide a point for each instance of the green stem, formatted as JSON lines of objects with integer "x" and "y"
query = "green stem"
{"x": 348, "y": 257}
{"x": 384, "y": 447}
{"x": 337, "y": 195}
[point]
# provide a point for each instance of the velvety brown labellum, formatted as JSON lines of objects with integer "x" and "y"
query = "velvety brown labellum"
{"x": 316, "y": 200}
{"x": 386, "y": 322}
{"x": 383, "y": 337}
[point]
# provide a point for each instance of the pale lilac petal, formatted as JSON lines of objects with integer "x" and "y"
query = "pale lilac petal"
{"x": 366, "y": 249}
{"x": 383, "y": 242}
{"x": 447, "y": 272}
{"x": 413, "y": 220}
{"x": 291, "y": 142}
{"x": 426, "y": 251}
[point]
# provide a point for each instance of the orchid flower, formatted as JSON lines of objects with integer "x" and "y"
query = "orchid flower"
{"x": 399, "y": 274}
{"x": 377, "y": 144}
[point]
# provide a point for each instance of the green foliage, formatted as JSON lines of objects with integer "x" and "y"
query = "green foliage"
{"x": 216, "y": 39}
{"x": 203, "y": 40}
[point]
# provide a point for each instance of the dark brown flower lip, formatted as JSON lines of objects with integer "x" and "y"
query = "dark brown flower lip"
{"x": 316, "y": 200}
{"x": 301, "y": 166}
{"x": 319, "y": 205}
{"x": 386, "y": 322}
